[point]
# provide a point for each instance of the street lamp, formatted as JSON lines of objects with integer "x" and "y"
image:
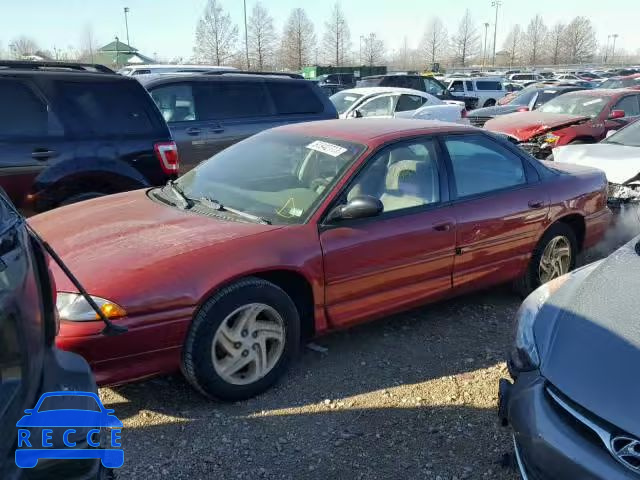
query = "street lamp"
{"x": 496, "y": 4}
{"x": 613, "y": 48}
{"x": 126, "y": 24}
{"x": 484, "y": 51}
{"x": 246, "y": 35}
{"x": 606, "y": 50}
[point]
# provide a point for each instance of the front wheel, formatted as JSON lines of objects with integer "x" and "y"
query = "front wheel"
{"x": 554, "y": 256}
{"x": 241, "y": 341}
{"x": 489, "y": 103}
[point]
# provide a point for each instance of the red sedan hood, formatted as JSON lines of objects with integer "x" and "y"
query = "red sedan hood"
{"x": 526, "y": 125}
{"x": 109, "y": 241}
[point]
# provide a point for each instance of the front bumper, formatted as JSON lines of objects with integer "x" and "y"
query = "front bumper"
{"x": 549, "y": 442}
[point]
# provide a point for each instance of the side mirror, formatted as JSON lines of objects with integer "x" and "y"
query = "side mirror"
{"x": 356, "y": 114}
{"x": 363, "y": 206}
{"x": 616, "y": 114}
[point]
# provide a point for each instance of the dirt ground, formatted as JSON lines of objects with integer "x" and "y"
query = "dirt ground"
{"x": 413, "y": 396}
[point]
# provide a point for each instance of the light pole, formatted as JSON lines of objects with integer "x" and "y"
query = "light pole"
{"x": 117, "y": 51}
{"x": 246, "y": 35}
{"x": 361, "y": 38}
{"x": 484, "y": 51}
{"x": 496, "y": 4}
{"x": 126, "y": 23}
{"x": 606, "y": 50}
{"x": 613, "y": 48}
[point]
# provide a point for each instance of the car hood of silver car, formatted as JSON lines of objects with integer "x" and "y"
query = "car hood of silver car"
{"x": 620, "y": 163}
{"x": 588, "y": 336}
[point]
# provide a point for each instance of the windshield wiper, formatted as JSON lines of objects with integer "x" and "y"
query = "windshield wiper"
{"x": 185, "y": 203}
{"x": 216, "y": 205}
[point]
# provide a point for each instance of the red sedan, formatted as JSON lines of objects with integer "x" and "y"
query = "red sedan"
{"x": 584, "y": 116}
{"x": 306, "y": 229}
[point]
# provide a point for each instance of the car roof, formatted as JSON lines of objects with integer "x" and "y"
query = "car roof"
{"x": 160, "y": 79}
{"x": 374, "y": 131}
{"x": 603, "y": 92}
{"x": 67, "y": 74}
{"x": 380, "y": 90}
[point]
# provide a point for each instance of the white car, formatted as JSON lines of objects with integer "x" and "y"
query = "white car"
{"x": 618, "y": 156}
{"x": 390, "y": 102}
{"x": 488, "y": 90}
{"x": 523, "y": 78}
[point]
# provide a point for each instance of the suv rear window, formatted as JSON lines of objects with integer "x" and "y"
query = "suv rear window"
{"x": 294, "y": 97}
{"x": 107, "y": 108}
{"x": 231, "y": 99}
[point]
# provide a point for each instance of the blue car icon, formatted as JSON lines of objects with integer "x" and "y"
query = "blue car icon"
{"x": 64, "y": 419}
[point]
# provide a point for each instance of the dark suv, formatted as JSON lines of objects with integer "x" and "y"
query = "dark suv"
{"x": 30, "y": 364}
{"x": 70, "y": 132}
{"x": 208, "y": 112}
{"x": 417, "y": 82}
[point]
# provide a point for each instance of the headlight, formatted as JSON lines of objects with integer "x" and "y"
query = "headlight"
{"x": 549, "y": 140}
{"x": 524, "y": 354}
{"x": 74, "y": 308}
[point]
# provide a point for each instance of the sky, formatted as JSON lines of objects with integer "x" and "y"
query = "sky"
{"x": 166, "y": 28}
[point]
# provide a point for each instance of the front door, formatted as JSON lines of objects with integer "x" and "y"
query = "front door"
{"x": 401, "y": 258}
{"x": 500, "y": 207}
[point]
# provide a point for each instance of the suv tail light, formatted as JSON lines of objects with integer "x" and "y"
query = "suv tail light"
{"x": 167, "y": 153}
{"x": 463, "y": 113}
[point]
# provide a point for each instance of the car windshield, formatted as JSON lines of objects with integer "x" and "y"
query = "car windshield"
{"x": 629, "y": 136}
{"x": 288, "y": 174}
{"x": 620, "y": 83}
{"x": 524, "y": 97}
{"x": 582, "y": 105}
{"x": 344, "y": 100}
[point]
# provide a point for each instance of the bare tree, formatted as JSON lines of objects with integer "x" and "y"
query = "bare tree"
{"x": 580, "y": 40}
{"x": 434, "y": 40}
{"x": 372, "y": 50}
{"x": 512, "y": 44}
{"x": 337, "y": 38}
{"x": 555, "y": 43}
{"x": 88, "y": 44}
{"x": 23, "y": 46}
{"x": 216, "y": 36}
{"x": 534, "y": 39}
{"x": 466, "y": 42}
{"x": 262, "y": 37}
{"x": 298, "y": 40}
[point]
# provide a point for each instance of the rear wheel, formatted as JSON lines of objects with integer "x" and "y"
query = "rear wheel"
{"x": 242, "y": 340}
{"x": 554, "y": 256}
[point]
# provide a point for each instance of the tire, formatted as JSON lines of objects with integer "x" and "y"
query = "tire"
{"x": 80, "y": 197}
{"x": 220, "y": 320}
{"x": 532, "y": 277}
{"x": 489, "y": 103}
{"x": 105, "y": 473}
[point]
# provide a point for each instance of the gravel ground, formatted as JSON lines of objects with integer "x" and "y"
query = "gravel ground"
{"x": 412, "y": 396}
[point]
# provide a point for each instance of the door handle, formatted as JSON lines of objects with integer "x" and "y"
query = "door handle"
{"x": 193, "y": 131}
{"x": 535, "y": 204}
{"x": 43, "y": 154}
{"x": 217, "y": 129}
{"x": 442, "y": 227}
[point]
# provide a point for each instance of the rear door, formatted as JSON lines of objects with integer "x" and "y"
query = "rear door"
{"x": 32, "y": 137}
{"x": 499, "y": 207}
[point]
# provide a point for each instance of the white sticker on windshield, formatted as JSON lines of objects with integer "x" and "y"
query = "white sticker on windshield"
{"x": 326, "y": 147}
{"x": 591, "y": 102}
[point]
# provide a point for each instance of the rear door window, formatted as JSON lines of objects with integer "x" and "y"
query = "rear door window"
{"x": 407, "y": 103}
{"x": 488, "y": 85}
{"x": 469, "y": 85}
{"x": 232, "y": 99}
{"x": 107, "y": 109}
{"x": 480, "y": 165}
{"x": 175, "y": 102}
{"x": 294, "y": 98}
{"x": 24, "y": 114}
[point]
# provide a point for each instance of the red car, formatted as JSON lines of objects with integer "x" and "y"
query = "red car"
{"x": 576, "y": 117}
{"x": 628, "y": 81}
{"x": 306, "y": 229}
